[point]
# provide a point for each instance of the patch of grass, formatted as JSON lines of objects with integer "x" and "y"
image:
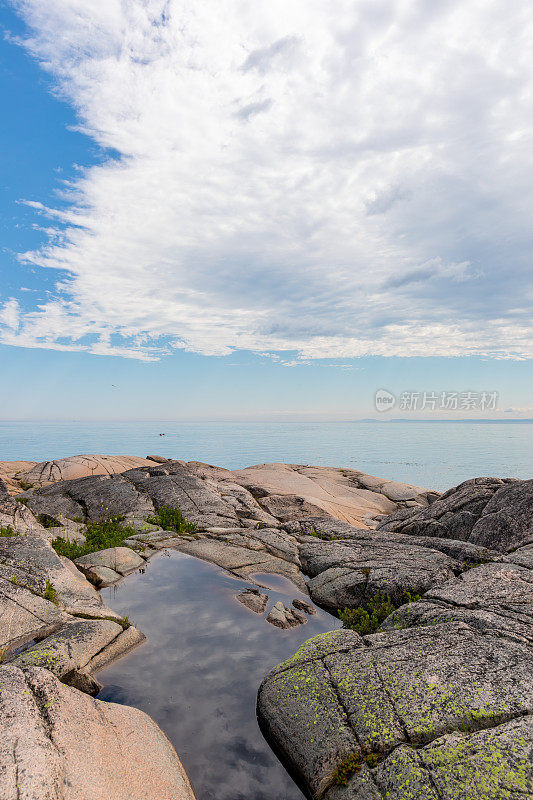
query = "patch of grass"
{"x": 98, "y": 536}
{"x": 321, "y": 535}
{"x": 69, "y": 549}
{"x": 317, "y": 534}
{"x": 47, "y": 521}
{"x": 172, "y": 519}
{"x": 368, "y": 617}
{"x": 50, "y": 593}
{"x": 24, "y": 485}
{"x": 8, "y": 531}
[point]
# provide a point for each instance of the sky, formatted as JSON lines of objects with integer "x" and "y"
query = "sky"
{"x": 265, "y": 210}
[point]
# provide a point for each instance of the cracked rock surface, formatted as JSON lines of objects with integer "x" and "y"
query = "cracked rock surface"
{"x": 63, "y": 469}
{"x": 488, "y": 512}
{"x": 62, "y": 631}
{"x": 211, "y": 496}
{"x": 438, "y": 703}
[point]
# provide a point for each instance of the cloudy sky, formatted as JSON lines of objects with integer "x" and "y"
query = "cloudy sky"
{"x": 342, "y": 189}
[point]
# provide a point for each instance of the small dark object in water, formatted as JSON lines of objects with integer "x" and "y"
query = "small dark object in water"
{"x": 162, "y": 434}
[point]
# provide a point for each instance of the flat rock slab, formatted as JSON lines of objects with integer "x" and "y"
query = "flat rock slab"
{"x": 119, "y": 559}
{"x": 60, "y": 744}
{"x": 65, "y": 469}
{"x": 342, "y": 695}
{"x": 242, "y": 561}
{"x": 101, "y": 576}
{"x": 293, "y": 491}
{"x": 122, "y": 644}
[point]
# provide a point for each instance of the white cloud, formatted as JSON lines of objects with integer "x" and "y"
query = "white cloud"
{"x": 10, "y": 314}
{"x": 335, "y": 180}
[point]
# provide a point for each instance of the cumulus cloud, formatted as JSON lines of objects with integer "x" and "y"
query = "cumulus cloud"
{"x": 336, "y": 181}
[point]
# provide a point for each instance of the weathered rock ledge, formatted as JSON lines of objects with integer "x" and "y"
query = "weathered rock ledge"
{"x": 423, "y": 708}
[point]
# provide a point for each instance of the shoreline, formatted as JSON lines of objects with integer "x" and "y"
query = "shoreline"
{"x": 338, "y": 534}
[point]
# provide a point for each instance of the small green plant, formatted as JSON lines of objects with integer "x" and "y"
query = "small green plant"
{"x": 24, "y": 485}
{"x": 321, "y": 535}
{"x": 368, "y": 617}
{"x": 98, "y": 536}
{"x": 483, "y": 558}
{"x": 372, "y": 760}
{"x": 69, "y": 549}
{"x": 47, "y": 521}
{"x": 8, "y": 531}
{"x": 317, "y": 534}
{"x": 172, "y": 519}
{"x": 346, "y": 769}
{"x": 353, "y": 764}
{"x": 50, "y": 593}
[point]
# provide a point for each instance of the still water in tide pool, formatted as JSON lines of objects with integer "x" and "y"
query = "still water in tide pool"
{"x": 198, "y": 673}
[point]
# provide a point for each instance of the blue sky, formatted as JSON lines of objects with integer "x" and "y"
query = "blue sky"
{"x": 211, "y": 213}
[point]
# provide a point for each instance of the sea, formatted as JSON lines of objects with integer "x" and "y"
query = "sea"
{"x": 436, "y": 455}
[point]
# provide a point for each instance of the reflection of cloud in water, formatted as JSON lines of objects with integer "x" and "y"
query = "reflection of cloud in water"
{"x": 199, "y": 671}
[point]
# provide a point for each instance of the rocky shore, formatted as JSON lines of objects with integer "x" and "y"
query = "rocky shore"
{"x": 425, "y": 695}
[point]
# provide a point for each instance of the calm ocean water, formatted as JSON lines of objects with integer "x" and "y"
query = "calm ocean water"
{"x": 436, "y": 455}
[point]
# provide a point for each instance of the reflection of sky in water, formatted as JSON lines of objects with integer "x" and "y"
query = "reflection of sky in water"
{"x": 199, "y": 671}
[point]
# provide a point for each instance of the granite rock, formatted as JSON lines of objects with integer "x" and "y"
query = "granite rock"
{"x": 349, "y": 572}
{"x": 304, "y": 605}
{"x": 64, "y": 469}
{"x": 253, "y": 599}
{"x": 347, "y": 696}
{"x": 495, "y": 599}
{"x": 491, "y": 513}
{"x": 283, "y": 617}
{"x": 59, "y": 744}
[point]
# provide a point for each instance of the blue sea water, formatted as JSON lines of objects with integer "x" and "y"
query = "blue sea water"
{"x": 435, "y": 455}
